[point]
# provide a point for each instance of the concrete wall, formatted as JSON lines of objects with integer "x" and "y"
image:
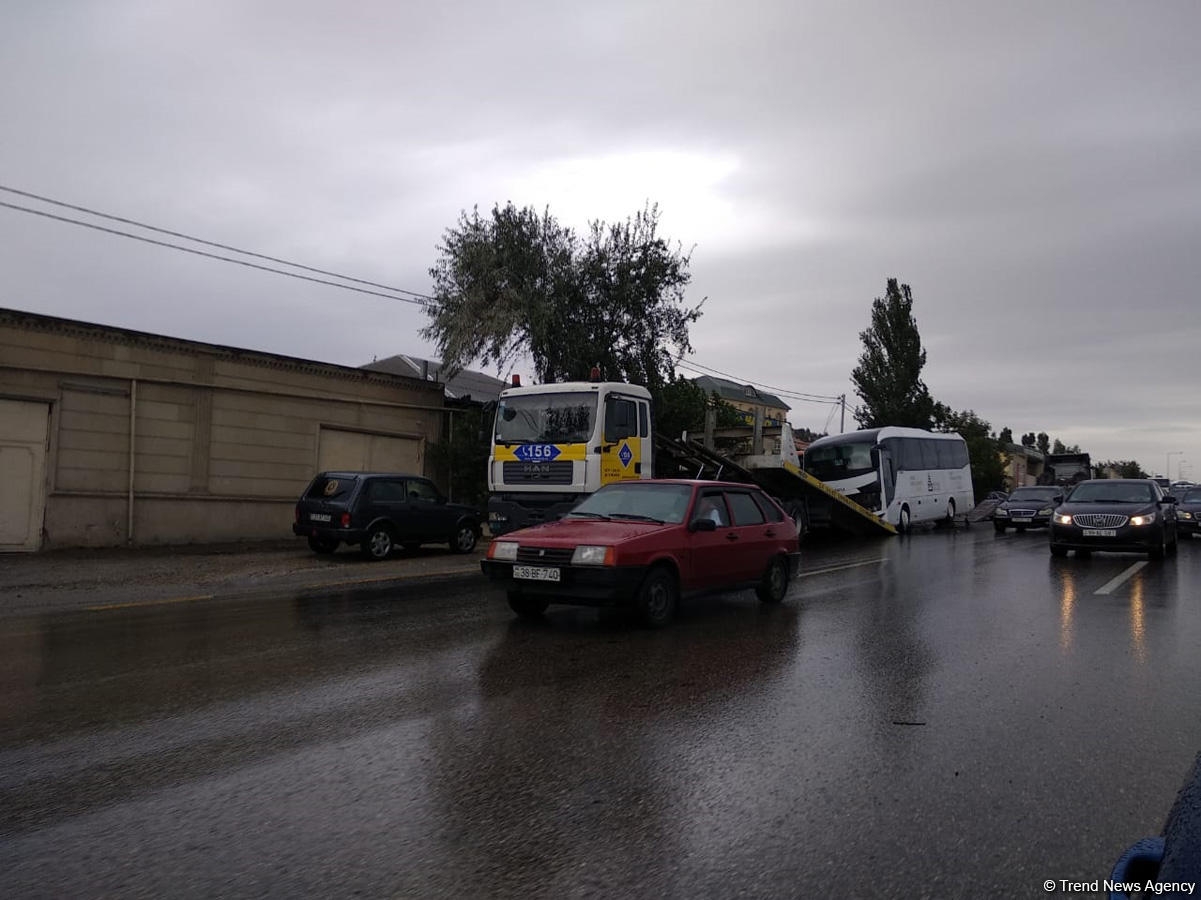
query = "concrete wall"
{"x": 223, "y": 440}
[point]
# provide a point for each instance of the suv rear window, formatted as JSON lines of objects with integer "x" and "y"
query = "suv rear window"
{"x": 329, "y": 488}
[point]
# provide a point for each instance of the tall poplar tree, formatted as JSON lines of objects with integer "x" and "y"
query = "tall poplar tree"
{"x": 888, "y": 378}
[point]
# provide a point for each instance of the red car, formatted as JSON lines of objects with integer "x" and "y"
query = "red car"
{"x": 646, "y": 543}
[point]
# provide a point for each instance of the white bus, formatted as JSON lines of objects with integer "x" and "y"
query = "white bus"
{"x": 903, "y": 475}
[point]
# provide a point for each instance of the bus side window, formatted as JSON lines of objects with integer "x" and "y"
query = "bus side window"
{"x": 911, "y": 455}
{"x": 929, "y": 453}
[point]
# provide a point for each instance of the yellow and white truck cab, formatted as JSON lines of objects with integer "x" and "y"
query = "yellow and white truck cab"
{"x": 553, "y": 444}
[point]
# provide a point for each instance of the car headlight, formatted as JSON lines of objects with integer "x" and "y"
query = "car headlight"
{"x": 1184, "y": 515}
{"x": 506, "y": 551}
{"x": 1045, "y": 512}
{"x": 1001, "y": 511}
{"x": 1143, "y": 520}
{"x": 1063, "y": 520}
{"x": 589, "y": 555}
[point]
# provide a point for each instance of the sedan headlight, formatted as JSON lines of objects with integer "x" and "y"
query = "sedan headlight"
{"x": 1001, "y": 512}
{"x": 1143, "y": 520}
{"x": 589, "y": 555}
{"x": 1063, "y": 520}
{"x": 506, "y": 551}
{"x": 1184, "y": 515}
{"x": 1045, "y": 512}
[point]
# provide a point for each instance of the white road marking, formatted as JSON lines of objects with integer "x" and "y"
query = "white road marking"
{"x": 1114, "y": 583}
{"x": 869, "y": 562}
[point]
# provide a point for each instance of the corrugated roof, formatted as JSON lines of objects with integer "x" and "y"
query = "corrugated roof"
{"x": 732, "y": 390}
{"x": 465, "y": 385}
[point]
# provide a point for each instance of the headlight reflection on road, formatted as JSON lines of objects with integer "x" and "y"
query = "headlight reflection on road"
{"x": 1138, "y": 636}
{"x": 1067, "y": 607}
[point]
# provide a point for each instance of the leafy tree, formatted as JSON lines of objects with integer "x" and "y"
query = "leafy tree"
{"x": 460, "y": 459}
{"x": 1029, "y": 440}
{"x": 1043, "y": 443}
{"x": 806, "y": 435}
{"x": 1006, "y": 436}
{"x": 888, "y": 377}
{"x": 1126, "y": 468}
{"x": 517, "y": 282}
{"x": 1060, "y": 447}
{"x": 988, "y": 468}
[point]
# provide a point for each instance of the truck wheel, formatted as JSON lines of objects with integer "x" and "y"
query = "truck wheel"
{"x": 800, "y": 515}
{"x": 903, "y": 521}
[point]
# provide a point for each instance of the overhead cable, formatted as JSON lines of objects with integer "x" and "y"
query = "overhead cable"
{"x": 207, "y": 243}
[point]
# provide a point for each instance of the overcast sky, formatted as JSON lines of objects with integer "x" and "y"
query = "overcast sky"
{"x": 1032, "y": 170}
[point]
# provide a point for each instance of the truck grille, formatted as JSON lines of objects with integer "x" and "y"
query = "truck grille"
{"x": 537, "y": 473}
{"x": 545, "y": 556}
{"x": 1099, "y": 520}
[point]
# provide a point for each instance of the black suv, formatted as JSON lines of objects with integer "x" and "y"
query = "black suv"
{"x": 379, "y": 510}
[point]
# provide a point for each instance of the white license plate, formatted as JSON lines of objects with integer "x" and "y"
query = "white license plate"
{"x": 1100, "y": 532}
{"x": 1022, "y": 520}
{"x": 535, "y": 573}
{"x": 319, "y": 517}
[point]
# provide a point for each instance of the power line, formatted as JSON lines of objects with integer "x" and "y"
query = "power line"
{"x": 188, "y": 237}
{"x": 791, "y": 395}
{"x": 237, "y": 262}
{"x": 797, "y": 394}
{"x": 414, "y": 297}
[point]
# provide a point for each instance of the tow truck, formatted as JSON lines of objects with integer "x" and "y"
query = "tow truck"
{"x": 553, "y": 444}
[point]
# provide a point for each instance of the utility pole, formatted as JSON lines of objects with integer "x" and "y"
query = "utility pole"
{"x": 842, "y": 420}
{"x": 1168, "y": 471}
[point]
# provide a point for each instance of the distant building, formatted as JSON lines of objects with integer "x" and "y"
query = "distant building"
{"x": 465, "y": 386}
{"x": 746, "y": 399}
{"x": 1023, "y": 465}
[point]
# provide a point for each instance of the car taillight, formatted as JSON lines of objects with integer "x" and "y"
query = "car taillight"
{"x": 345, "y": 520}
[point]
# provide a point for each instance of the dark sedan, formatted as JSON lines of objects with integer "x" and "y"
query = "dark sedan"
{"x": 1117, "y": 515}
{"x": 1026, "y": 507}
{"x": 1188, "y": 512}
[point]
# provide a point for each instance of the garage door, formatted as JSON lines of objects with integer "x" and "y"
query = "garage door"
{"x": 23, "y": 430}
{"x": 356, "y": 451}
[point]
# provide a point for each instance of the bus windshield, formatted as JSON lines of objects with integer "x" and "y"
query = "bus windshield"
{"x": 838, "y": 461}
{"x": 566, "y": 418}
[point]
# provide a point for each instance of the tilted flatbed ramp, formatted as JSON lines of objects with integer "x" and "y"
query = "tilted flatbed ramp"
{"x": 784, "y": 480}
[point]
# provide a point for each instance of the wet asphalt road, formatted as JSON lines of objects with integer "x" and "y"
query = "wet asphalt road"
{"x": 943, "y": 715}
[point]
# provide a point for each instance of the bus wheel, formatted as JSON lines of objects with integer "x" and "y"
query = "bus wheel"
{"x": 903, "y": 520}
{"x": 950, "y": 519}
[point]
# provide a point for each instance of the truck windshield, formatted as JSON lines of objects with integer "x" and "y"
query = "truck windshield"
{"x": 566, "y": 418}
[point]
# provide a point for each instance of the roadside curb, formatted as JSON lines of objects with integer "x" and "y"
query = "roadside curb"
{"x": 74, "y": 580}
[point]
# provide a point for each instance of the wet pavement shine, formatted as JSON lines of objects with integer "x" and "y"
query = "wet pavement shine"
{"x": 944, "y": 714}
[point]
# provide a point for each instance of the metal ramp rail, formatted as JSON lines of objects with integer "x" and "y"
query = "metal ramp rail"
{"x": 786, "y": 481}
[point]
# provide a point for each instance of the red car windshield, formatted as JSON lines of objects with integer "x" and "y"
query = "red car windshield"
{"x": 666, "y": 503}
